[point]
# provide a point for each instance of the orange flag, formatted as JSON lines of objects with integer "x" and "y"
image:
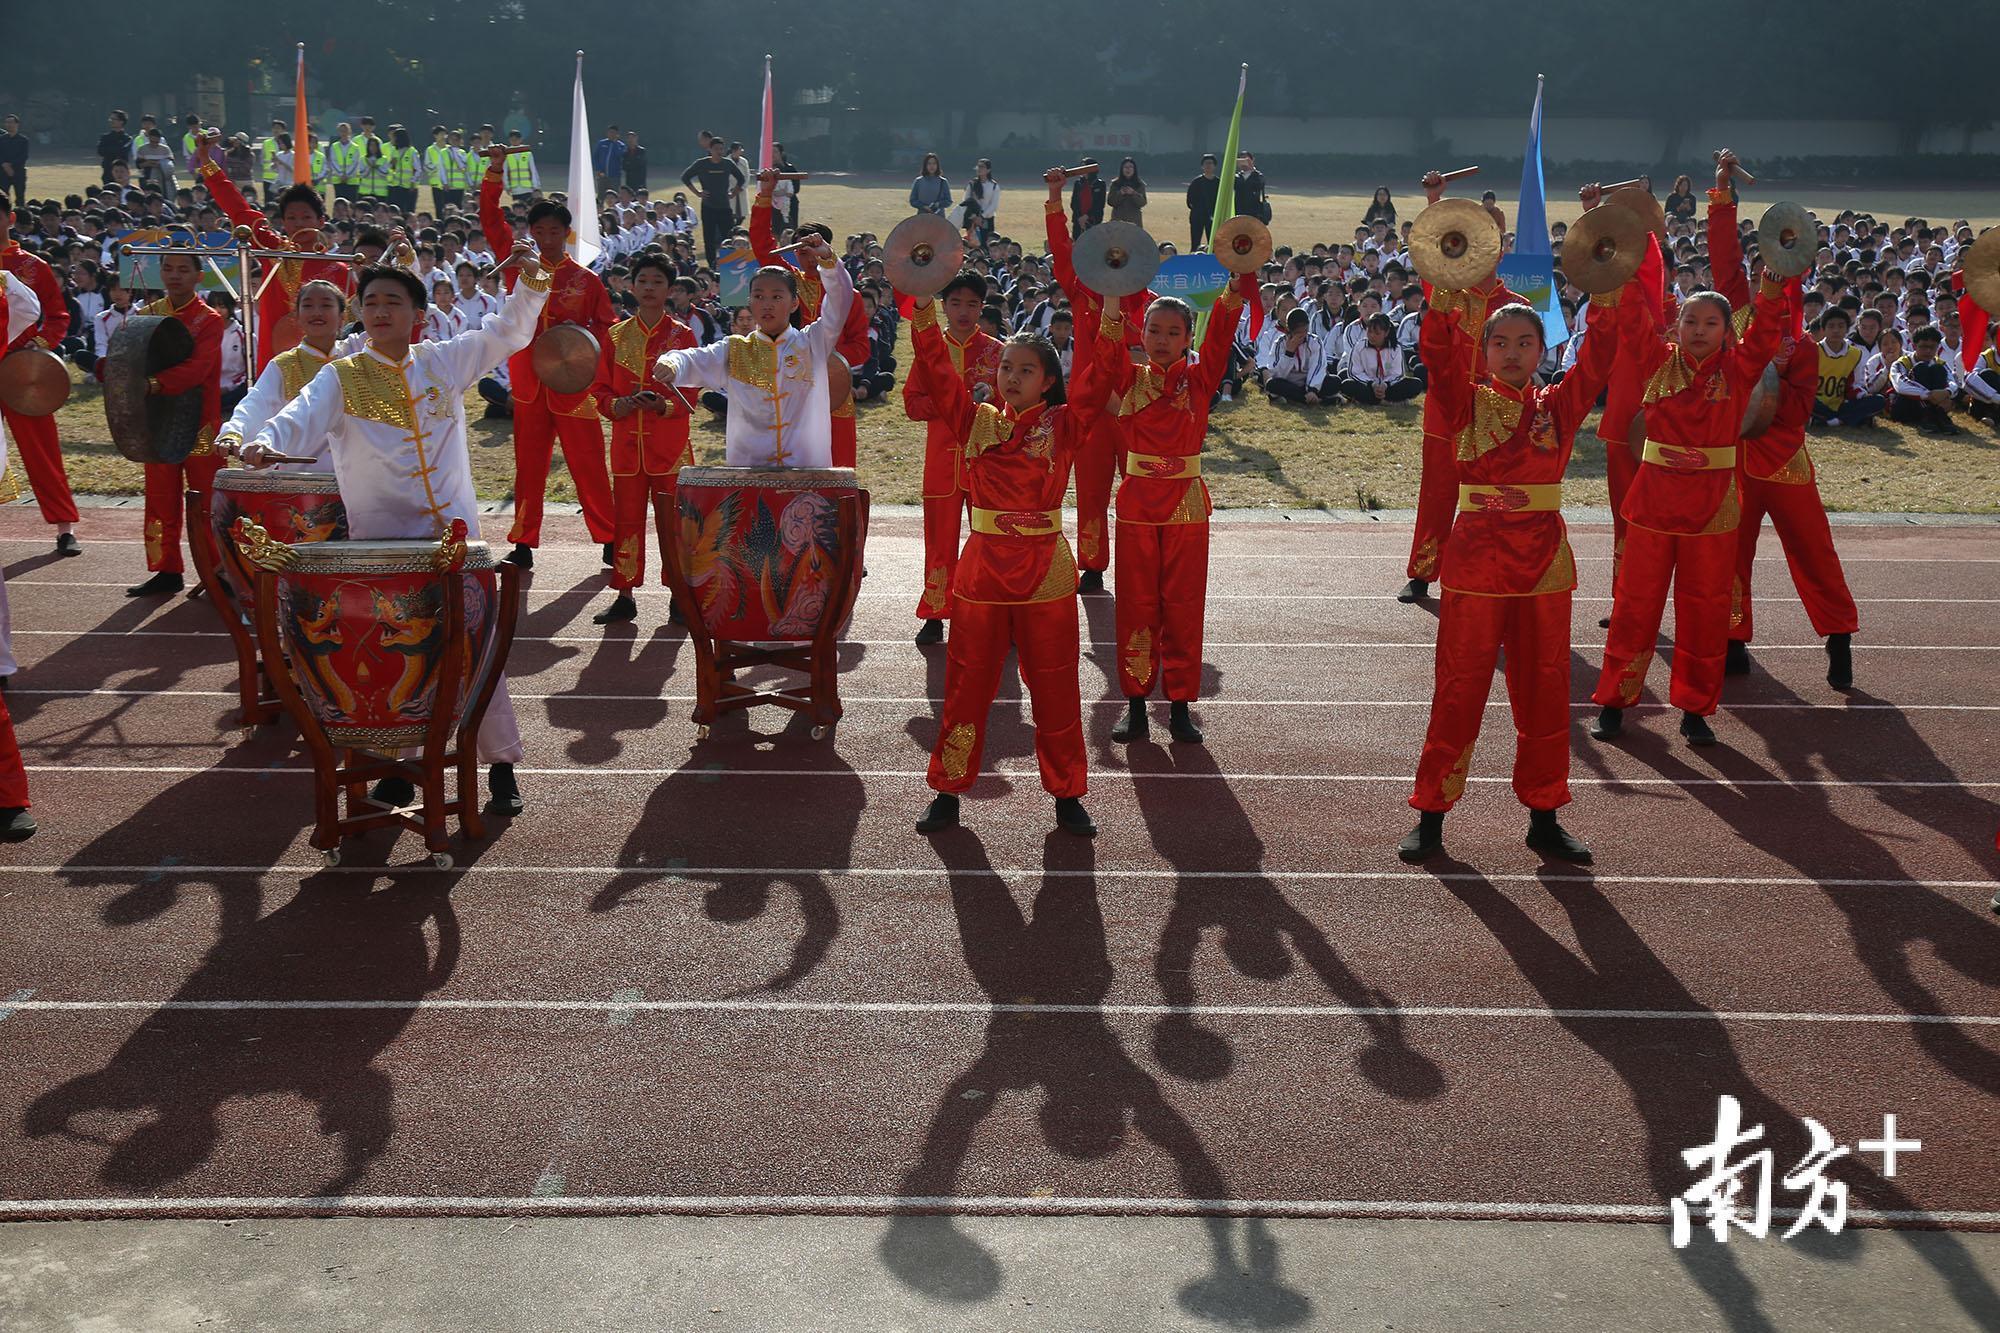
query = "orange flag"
{"x": 302, "y": 165}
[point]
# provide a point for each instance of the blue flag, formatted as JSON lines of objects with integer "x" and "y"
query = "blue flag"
{"x": 1530, "y": 269}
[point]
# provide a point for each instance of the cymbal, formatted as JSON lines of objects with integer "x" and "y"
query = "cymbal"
{"x": 1243, "y": 244}
{"x": 1454, "y": 244}
{"x": 1641, "y": 201}
{"x": 34, "y": 382}
{"x": 150, "y": 428}
{"x": 1981, "y": 266}
{"x": 1787, "y": 239}
{"x": 922, "y": 254}
{"x": 1115, "y": 258}
{"x": 565, "y": 358}
{"x": 1603, "y": 249}
{"x": 1762, "y": 409}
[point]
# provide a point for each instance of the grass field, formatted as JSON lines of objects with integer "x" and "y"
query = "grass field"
{"x": 1259, "y": 455}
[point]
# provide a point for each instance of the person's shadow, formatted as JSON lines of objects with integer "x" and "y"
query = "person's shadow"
{"x": 333, "y": 941}
{"x": 727, "y": 830}
{"x": 1676, "y": 1078}
{"x": 596, "y": 720}
{"x": 1091, "y": 1090}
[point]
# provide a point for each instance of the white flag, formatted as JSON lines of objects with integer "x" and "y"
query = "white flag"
{"x": 584, "y": 242}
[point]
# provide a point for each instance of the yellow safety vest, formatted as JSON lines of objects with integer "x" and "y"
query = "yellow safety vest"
{"x": 268, "y": 155}
{"x": 375, "y": 174}
{"x": 403, "y": 167}
{"x": 519, "y": 173}
{"x": 347, "y": 161}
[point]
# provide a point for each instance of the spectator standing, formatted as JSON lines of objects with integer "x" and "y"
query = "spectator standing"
{"x": 13, "y": 161}
{"x": 1127, "y": 195}
{"x": 739, "y": 198}
{"x": 405, "y": 169}
{"x": 1380, "y": 209}
{"x": 523, "y": 178}
{"x": 1201, "y": 192}
{"x": 982, "y": 199}
{"x": 155, "y": 160}
{"x": 634, "y": 168}
{"x": 1250, "y": 200}
{"x": 607, "y": 159}
{"x": 715, "y": 179}
{"x": 113, "y": 146}
{"x": 345, "y": 159}
{"x": 930, "y": 192}
{"x": 1086, "y": 201}
{"x": 788, "y": 202}
{"x": 1681, "y": 203}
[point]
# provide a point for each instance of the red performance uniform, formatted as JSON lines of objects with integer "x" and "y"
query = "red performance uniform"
{"x": 542, "y": 417}
{"x": 1507, "y": 567}
{"x": 1778, "y": 475}
{"x": 1016, "y": 580}
{"x": 1163, "y": 505}
{"x": 647, "y": 450}
{"x": 35, "y": 437}
{"x": 1097, "y": 462}
{"x": 1682, "y": 511}
{"x": 167, "y": 484}
{"x": 1437, "y": 485}
{"x": 975, "y": 362}
{"x": 1622, "y": 395}
{"x": 853, "y": 344}
{"x": 279, "y": 294}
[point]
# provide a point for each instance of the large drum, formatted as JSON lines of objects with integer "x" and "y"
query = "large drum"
{"x": 364, "y": 627}
{"x": 760, "y": 549}
{"x": 292, "y": 507}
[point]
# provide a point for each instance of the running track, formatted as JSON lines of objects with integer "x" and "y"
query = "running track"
{"x": 734, "y": 979}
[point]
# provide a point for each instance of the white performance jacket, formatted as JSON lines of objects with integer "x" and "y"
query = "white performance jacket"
{"x": 396, "y": 432}
{"x": 780, "y": 413}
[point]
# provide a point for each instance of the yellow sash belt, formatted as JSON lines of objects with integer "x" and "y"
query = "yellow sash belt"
{"x": 1500, "y": 498}
{"x": 1689, "y": 457}
{"x": 1163, "y": 467}
{"x": 1016, "y": 522}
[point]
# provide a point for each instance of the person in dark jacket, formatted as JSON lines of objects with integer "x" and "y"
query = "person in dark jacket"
{"x": 1250, "y": 200}
{"x": 114, "y": 145}
{"x": 1201, "y": 193}
{"x": 1086, "y": 201}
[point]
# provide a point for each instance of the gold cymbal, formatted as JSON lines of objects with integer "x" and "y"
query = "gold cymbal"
{"x": 1787, "y": 240}
{"x": 565, "y": 358}
{"x": 922, "y": 254}
{"x": 33, "y": 382}
{"x": 1603, "y": 249}
{"x": 1981, "y": 266}
{"x": 1243, "y": 244}
{"x": 1454, "y": 244}
{"x": 1648, "y": 209}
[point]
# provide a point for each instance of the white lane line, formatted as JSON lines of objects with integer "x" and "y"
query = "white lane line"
{"x": 885, "y": 1204}
{"x": 982, "y": 1009}
{"x": 1801, "y": 705}
{"x": 554, "y": 595}
{"x": 1860, "y": 649}
{"x": 683, "y": 872}
{"x": 1016, "y": 774}
{"x": 13, "y": 1002}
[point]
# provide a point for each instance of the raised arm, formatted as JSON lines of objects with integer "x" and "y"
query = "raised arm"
{"x": 1091, "y": 386}
{"x": 1759, "y": 344}
{"x": 950, "y": 401}
{"x": 505, "y": 331}
{"x": 762, "y": 243}
{"x": 824, "y": 333}
{"x": 1610, "y": 313}
{"x": 230, "y": 199}
{"x": 695, "y": 368}
{"x": 1214, "y": 363}
{"x": 493, "y": 222}
{"x": 1725, "y": 243}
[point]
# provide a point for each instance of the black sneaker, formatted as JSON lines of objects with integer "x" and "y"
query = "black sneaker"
{"x": 1604, "y": 622}
{"x": 1610, "y": 724}
{"x": 1695, "y": 727}
{"x": 1133, "y": 726}
{"x": 393, "y": 793}
{"x": 1736, "y": 660}
{"x": 610, "y": 554}
{"x": 1091, "y": 580}
{"x": 17, "y": 825}
{"x": 521, "y": 557}
{"x": 67, "y": 545}
{"x": 163, "y": 584}
{"x": 1071, "y": 817}
{"x": 623, "y": 607}
{"x": 1552, "y": 840}
{"x": 1414, "y": 591}
{"x": 503, "y": 791}
{"x": 932, "y": 632}
{"x": 1840, "y": 661}
{"x": 941, "y": 814}
{"x": 1425, "y": 840}
{"x": 1182, "y": 726}
{"x": 674, "y": 616}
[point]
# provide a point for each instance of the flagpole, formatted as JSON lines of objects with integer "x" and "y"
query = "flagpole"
{"x": 585, "y": 242}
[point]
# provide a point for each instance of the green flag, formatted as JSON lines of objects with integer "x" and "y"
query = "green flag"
{"x": 1225, "y": 194}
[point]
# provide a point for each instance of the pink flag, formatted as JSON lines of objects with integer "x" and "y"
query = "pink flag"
{"x": 766, "y": 157}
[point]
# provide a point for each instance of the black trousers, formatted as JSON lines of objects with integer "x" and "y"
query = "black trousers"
{"x": 717, "y": 221}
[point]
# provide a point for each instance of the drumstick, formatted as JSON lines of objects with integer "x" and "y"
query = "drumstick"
{"x": 1622, "y": 185}
{"x": 794, "y": 175}
{"x": 1739, "y": 168}
{"x": 1087, "y": 169}
{"x": 1461, "y": 173}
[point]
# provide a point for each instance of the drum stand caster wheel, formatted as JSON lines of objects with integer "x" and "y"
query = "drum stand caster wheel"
{"x": 441, "y": 860}
{"x": 330, "y": 857}
{"x": 701, "y": 731}
{"x": 819, "y": 732}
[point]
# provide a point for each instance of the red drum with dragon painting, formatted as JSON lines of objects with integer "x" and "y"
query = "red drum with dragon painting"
{"x": 760, "y": 548}
{"x": 292, "y": 506}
